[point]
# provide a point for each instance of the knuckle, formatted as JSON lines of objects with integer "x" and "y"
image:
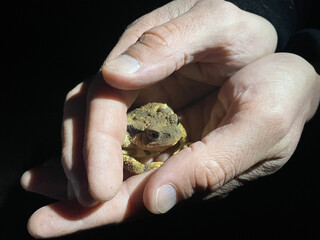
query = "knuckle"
{"x": 228, "y": 13}
{"x": 209, "y": 172}
{"x": 228, "y": 8}
{"x": 152, "y": 38}
{"x": 162, "y": 35}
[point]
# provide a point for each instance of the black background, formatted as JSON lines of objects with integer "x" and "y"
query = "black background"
{"x": 49, "y": 47}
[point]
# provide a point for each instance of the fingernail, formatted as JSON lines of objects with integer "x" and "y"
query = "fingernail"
{"x": 123, "y": 63}
{"x": 166, "y": 198}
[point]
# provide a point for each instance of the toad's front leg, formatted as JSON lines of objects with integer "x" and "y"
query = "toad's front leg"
{"x": 136, "y": 167}
{"x": 183, "y": 142}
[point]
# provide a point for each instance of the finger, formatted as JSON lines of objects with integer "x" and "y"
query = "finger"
{"x": 72, "y": 143}
{"x": 155, "y": 18}
{"x": 206, "y": 165}
{"x": 68, "y": 217}
{"x": 159, "y": 49}
{"x": 202, "y": 34}
{"x": 104, "y": 135}
{"x": 48, "y": 179}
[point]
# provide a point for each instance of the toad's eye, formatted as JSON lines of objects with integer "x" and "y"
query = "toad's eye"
{"x": 153, "y": 135}
{"x": 178, "y": 121}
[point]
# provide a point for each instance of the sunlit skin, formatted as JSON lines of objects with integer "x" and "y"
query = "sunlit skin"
{"x": 243, "y": 107}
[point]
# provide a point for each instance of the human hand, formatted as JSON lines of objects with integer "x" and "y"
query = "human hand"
{"x": 249, "y": 129}
{"x": 213, "y": 36}
{"x": 98, "y": 131}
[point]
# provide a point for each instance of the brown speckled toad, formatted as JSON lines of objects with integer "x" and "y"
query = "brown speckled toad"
{"x": 151, "y": 129}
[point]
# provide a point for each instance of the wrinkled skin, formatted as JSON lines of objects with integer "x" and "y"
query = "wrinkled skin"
{"x": 242, "y": 106}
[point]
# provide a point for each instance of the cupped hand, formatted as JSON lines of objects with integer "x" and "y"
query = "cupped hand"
{"x": 239, "y": 130}
{"x": 247, "y": 129}
{"x": 205, "y": 41}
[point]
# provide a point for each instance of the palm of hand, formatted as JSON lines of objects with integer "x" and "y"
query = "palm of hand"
{"x": 208, "y": 109}
{"x": 181, "y": 95}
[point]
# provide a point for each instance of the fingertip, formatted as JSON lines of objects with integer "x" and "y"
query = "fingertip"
{"x": 127, "y": 73}
{"x": 91, "y": 194}
{"x": 36, "y": 225}
{"x": 120, "y": 72}
{"x": 86, "y": 200}
{"x": 124, "y": 64}
{"x": 162, "y": 199}
{"x": 25, "y": 180}
{"x": 59, "y": 219}
{"x": 171, "y": 183}
{"x": 106, "y": 189}
{"x": 48, "y": 181}
{"x": 166, "y": 198}
{"x": 161, "y": 194}
{"x": 105, "y": 172}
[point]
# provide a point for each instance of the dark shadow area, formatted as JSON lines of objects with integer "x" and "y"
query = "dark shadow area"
{"x": 48, "y": 48}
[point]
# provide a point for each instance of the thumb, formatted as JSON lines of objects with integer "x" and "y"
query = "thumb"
{"x": 210, "y": 165}
{"x": 165, "y": 48}
{"x": 157, "y": 53}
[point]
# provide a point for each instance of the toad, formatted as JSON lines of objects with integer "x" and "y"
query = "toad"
{"x": 151, "y": 129}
